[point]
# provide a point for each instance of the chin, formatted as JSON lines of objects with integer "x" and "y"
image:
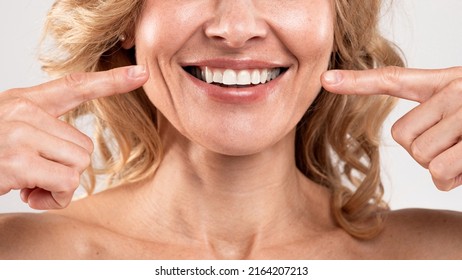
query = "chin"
{"x": 240, "y": 143}
{"x": 231, "y": 149}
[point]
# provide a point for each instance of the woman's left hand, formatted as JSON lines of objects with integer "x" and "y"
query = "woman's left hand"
{"x": 431, "y": 132}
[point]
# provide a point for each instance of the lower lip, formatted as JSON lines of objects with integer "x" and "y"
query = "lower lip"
{"x": 231, "y": 95}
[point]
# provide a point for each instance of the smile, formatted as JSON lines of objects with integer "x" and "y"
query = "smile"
{"x": 234, "y": 78}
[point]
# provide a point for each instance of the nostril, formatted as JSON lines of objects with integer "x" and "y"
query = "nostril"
{"x": 235, "y": 27}
{"x": 234, "y": 42}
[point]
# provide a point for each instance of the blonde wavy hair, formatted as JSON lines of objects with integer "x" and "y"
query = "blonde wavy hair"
{"x": 338, "y": 150}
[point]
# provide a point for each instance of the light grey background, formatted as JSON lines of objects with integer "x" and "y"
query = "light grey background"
{"x": 429, "y": 32}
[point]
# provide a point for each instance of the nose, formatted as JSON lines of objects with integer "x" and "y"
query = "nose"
{"x": 235, "y": 23}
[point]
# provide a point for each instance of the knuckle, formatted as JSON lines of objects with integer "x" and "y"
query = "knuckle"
{"x": 452, "y": 92}
{"x": 18, "y": 107}
{"x": 74, "y": 180}
{"x": 438, "y": 171}
{"x": 84, "y": 162}
{"x": 15, "y": 160}
{"x": 450, "y": 82}
{"x": 78, "y": 82}
{"x": 114, "y": 76}
{"x": 71, "y": 182}
{"x": 418, "y": 153}
{"x": 75, "y": 80}
{"x": 87, "y": 160}
{"x": 16, "y": 133}
{"x": 457, "y": 85}
{"x": 399, "y": 133}
{"x": 449, "y": 100}
{"x": 88, "y": 144}
{"x": 114, "y": 80}
{"x": 444, "y": 185}
{"x": 21, "y": 103}
{"x": 81, "y": 159}
{"x": 390, "y": 76}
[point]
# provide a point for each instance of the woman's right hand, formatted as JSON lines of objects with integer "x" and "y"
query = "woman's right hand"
{"x": 40, "y": 154}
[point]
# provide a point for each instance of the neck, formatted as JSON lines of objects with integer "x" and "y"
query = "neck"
{"x": 232, "y": 204}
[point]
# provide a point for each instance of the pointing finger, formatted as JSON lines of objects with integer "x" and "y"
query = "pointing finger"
{"x": 411, "y": 84}
{"x": 59, "y": 96}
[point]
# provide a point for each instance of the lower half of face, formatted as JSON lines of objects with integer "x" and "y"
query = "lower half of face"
{"x": 228, "y": 100}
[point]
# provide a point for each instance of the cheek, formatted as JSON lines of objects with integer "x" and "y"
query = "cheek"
{"x": 151, "y": 35}
{"x": 164, "y": 29}
{"x": 308, "y": 34}
{"x": 165, "y": 26}
{"x": 157, "y": 40}
{"x": 307, "y": 30}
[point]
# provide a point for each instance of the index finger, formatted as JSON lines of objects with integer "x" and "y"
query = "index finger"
{"x": 411, "y": 84}
{"x": 62, "y": 95}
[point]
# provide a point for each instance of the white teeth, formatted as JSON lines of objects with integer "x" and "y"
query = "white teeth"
{"x": 208, "y": 75}
{"x": 273, "y": 75}
{"x": 236, "y": 77}
{"x": 217, "y": 77}
{"x": 243, "y": 78}
{"x": 229, "y": 77}
{"x": 263, "y": 76}
{"x": 255, "y": 77}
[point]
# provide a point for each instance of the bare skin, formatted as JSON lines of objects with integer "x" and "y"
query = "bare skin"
{"x": 79, "y": 233}
{"x": 222, "y": 208}
{"x": 202, "y": 204}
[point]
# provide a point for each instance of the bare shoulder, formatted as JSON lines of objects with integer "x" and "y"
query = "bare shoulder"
{"x": 41, "y": 236}
{"x": 84, "y": 230}
{"x": 422, "y": 234}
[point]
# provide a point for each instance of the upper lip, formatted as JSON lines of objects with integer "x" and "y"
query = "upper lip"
{"x": 237, "y": 64}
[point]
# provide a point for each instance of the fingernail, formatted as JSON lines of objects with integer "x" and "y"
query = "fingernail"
{"x": 137, "y": 71}
{"x": 333, "y": 77}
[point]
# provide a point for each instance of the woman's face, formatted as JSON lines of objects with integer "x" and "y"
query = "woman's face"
{"x": 234, "y": 76}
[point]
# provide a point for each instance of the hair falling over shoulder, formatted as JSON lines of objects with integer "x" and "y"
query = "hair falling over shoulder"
{"x": 337, "y": 142}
